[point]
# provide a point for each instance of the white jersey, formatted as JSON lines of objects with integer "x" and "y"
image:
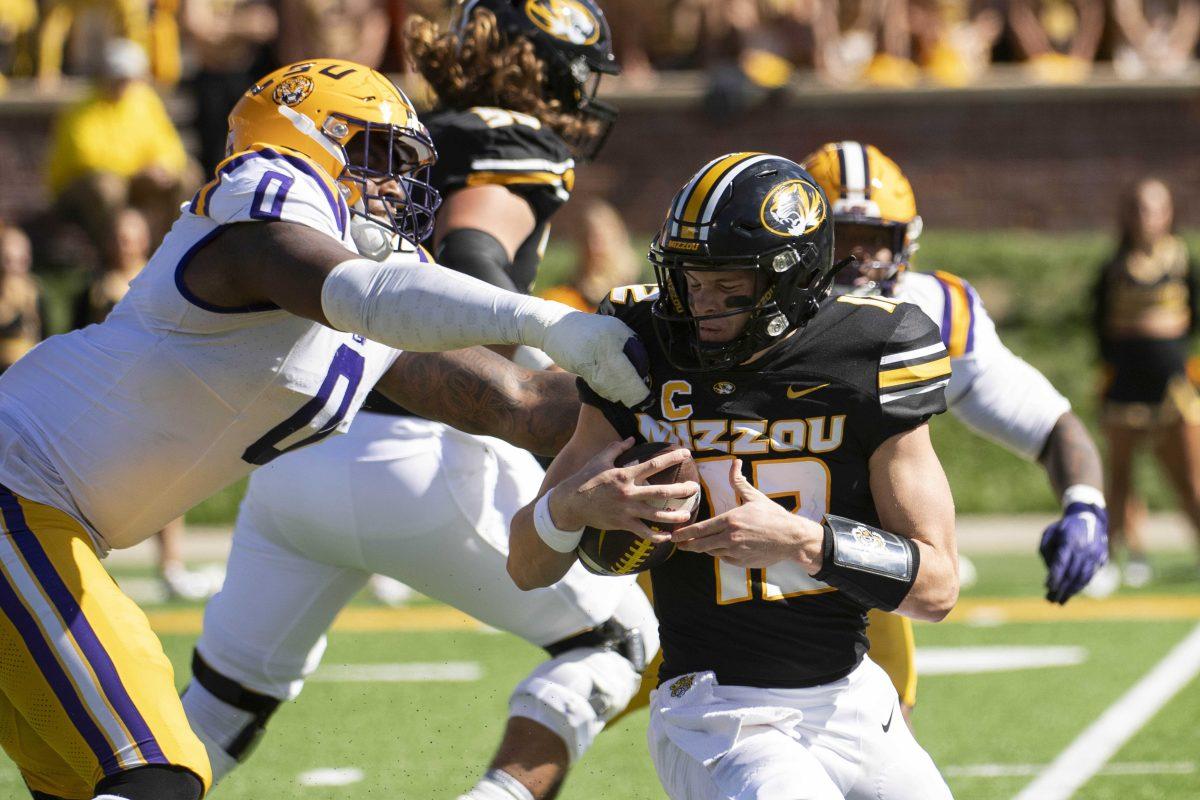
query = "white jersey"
{"x": 128, "y": 424}
{"x": 991, "y": 390}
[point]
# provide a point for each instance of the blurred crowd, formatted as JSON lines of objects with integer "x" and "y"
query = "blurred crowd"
{"x": 840, "y": 42}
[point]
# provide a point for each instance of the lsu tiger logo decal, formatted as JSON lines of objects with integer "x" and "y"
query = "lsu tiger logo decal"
{"x": 568, "y": 20}
{"x": 292, "y": 91}
{"x": 793, "y": 208}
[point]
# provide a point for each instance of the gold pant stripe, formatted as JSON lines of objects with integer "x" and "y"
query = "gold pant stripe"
{"x": 74, "y": 680}
{"x": 85, "y": 689}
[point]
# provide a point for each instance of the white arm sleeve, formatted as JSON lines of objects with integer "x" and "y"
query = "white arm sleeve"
{"x": 428, "y": 308}
{"x": 1008, "y": 401}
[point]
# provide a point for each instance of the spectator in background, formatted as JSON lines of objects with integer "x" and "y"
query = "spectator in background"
{"x": 118, "y": 147}
{"x": 872, "y": 43}
{"x": 607, "y": 260}
{"x": 1155, "y": 37}
{"x": 1145, "y": 316}
{"x": 954, "y": 38}
{"x": 229, "y": 40}
{"x": 20, "y": 298}
{"x": 122, "y": 18}
{"x": 18, "y": 18}
{"x": 128, "y": 253}
{"x": 356, "y": 30}
{"x": 1059, "y": 38}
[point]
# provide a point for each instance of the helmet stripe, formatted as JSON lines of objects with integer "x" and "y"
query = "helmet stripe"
{"x": 719, "y": 189}
{"x": 685, "y": 193}
{"x": 854, "y": 170}
{"x": 704, "y": 186}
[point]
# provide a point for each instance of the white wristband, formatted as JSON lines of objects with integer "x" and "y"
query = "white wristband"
{"x": 1082, "y": 493}
{"x": 554, "y": 537}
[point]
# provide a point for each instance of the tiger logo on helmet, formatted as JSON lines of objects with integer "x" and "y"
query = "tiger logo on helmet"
{"x": 564, "y": 19}
{"x": 793, "y": 208}
{"x": 357, "y": 127}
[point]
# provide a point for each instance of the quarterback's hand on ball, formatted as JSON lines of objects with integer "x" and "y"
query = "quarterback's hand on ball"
{"x": 603, "y": 351}
{"x": 1073, "y": 549}
{"x": 608, "y": 497}
{"x": 758, "y": 532}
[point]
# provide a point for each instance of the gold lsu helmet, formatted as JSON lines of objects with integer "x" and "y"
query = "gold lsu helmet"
{"x": 354, "y": 124}
{"x": 873, "y": 205}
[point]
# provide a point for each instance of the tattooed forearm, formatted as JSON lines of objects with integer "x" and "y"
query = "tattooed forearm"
{"x": 1070, "y": 456}
{"x": 480, "y": 392}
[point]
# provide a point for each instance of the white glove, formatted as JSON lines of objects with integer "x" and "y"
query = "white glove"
{"x": 591, "y": 346}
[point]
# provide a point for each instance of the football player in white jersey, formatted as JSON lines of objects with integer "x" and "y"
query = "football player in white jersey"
{"x": 315, "y": 525}
{"x": 991, "y": 390}
{"x": 255, "y": 329}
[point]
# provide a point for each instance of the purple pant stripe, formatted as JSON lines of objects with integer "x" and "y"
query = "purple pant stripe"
{"x": 72, "y": 615}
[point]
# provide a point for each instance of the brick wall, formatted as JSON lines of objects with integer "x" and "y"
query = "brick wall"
{"x": 1047, "y": 158}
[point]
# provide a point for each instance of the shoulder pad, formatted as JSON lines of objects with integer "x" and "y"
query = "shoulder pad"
{"x": 267, "y": 183}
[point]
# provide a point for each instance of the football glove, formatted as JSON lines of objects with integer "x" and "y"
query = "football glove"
{"x": 1073, "y": 549}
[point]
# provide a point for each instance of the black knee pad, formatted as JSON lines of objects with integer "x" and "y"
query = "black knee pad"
{"x": 154, "y": 782}
{"x": 44, "y": 796}
{"x": 230, "y": 691}
{"x": 609, "y": 635}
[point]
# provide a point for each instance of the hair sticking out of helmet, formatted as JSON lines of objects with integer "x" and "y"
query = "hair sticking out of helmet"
{"x": 355, "y": 125}
{"x": 750, "y": 213}
{"x": 571, "y": 40}
{"x": 874, "y": 214}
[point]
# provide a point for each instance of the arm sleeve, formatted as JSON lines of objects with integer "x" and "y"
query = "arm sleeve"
{"x": 914, "y": 370}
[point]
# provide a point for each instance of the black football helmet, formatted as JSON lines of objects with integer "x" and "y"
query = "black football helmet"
{"x": 572, "y": 37}
{"x": 743, "y": 211}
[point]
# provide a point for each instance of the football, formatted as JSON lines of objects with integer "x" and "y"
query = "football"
{"x": 624, "y": 553}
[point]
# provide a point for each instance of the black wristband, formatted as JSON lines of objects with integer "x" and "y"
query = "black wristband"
{"x": 872, "y": 566}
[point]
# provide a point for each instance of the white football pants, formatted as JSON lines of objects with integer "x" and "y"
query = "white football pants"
{"x": 845, "y": 739}
{"x": 408, "y": 498}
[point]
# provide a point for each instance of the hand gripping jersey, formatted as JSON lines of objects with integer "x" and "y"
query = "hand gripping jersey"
{"x": 128, "y": 424}
{"x": 492, "y": 146}
{"x": 804, "y": 419}
{"x": 992, "y": 391}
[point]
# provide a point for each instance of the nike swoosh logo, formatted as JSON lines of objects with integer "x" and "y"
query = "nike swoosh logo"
{"x": 888, "y": 724}
{"x": 793, "y": 394}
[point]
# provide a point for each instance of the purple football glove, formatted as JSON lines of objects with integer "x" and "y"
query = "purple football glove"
{"x": 1073, "y": 549}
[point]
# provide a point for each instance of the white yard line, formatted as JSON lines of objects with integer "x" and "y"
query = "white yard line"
{"x": 1092, "y": 749}
{"x": 410, "y": 672}
{"x": 330, "y": 776}
{"x": 1029, "y": 770}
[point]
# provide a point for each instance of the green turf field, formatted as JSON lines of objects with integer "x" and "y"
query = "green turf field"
{"x": 990, "y": 732}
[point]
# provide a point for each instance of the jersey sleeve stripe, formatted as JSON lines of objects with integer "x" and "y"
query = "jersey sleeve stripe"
{"x": 913, "y": 355}
{"x": 877, "y": 302}
{"x": 958, "y": 314}
{"x": 562, "y": 185}
{"x": 912, "y": 374}
{"x": 892, "y": 397}
{"x": 523, "y": 165}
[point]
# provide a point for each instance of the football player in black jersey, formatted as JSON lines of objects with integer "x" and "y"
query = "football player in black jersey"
{"x": 806, "y": 416}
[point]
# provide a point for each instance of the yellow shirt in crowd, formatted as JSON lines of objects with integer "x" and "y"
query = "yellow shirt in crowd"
{"x": 123, "y": 137}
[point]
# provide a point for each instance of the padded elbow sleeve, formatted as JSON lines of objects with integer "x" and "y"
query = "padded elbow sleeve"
{"x": 478, "y": 254}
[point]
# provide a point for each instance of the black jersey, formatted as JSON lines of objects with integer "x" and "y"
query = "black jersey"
{"x": 804, "y": 419}
{"x": 491, "y": 146}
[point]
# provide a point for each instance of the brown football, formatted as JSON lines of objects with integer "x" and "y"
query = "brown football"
{"x": 625, "y": 553}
